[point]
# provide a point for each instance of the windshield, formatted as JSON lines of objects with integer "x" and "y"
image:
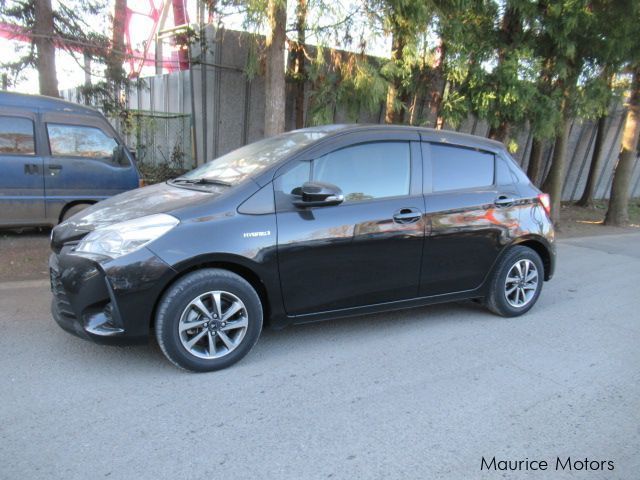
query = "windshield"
{"x": 250, "y": 160}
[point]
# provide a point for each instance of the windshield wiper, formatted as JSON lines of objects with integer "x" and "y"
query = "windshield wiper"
{"x": 201, "y": 181}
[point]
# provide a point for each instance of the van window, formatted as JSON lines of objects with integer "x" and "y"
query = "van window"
{"x": 456, "y": 168}
{"x": 16, "y": 136}
{"x": 80, "y": 141}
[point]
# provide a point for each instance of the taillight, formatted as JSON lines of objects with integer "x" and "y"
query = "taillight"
{"x": 545, "y": 201}
{"x": 141, "y": 182}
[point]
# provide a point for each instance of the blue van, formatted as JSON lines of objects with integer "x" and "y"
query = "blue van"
{"x": 56, "y": 158}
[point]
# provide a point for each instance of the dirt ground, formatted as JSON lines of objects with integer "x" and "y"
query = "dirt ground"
{"x": 584, "y": 222}
{"x": 23, "y": 256}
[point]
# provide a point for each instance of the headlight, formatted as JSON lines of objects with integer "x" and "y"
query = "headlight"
{"x": 125, "y": 237}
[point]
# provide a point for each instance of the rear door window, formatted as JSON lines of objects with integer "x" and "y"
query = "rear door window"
{"x": 458, "y": 168}
{"x": 80, "y": 141}
{"x": 16, "y": 136}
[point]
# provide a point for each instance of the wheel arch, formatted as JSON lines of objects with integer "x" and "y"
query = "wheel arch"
{"x": 542, "y": 247}
{"x": 72, "y": 204}
{"x": 232, "y": 263}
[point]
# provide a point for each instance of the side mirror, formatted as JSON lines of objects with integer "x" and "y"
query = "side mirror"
{"x": 120, "y": 156}
{"x": 319, "y": 194}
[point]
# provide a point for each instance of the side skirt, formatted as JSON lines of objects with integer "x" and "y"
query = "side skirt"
{"x": 385, "y": 307}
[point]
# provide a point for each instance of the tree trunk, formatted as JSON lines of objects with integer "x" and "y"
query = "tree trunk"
{"x": 211, "y": 9}
{"x": 618, "y": 213}
{"x": 395, "y": 95}
{"x": 535, "y": 161}
{"x": 300, "y": 69}
{"x": 596, "y": 164}
{"x": 510, "y": 29}
{"x": 553, "y": 183}
{"x": 87, "y": 70}
{"x": 115, "y": 60}
{"x": 274, "y": 112}
{"x": 436, "y": 88}
{"x": 180, "y": 18}
{"x": 413, "y": 109}
{"x": 46, "y": 58}
{"x": 501, "y": 132}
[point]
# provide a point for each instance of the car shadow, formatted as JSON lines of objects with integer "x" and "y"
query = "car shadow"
{"x": 357, "y": 329}
{"x": 296, "y": 340}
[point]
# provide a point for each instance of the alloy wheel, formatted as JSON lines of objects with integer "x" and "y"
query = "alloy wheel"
{"x": 521, "y": 283}
{"x": 213, "y": 324}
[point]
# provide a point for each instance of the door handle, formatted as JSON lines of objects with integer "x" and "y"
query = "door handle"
{"x": 504, "y": 200}
{"x": 31, "y": 169}
{"x": 407, "y": 215}
{"x": 54, "y": 169}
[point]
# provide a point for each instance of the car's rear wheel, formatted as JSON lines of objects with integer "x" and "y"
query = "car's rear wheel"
{"x": 208, "y": 320}
{"x": 516, "y": 283}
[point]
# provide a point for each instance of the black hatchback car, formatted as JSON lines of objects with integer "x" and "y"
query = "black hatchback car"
{"x": 312, "y": 224}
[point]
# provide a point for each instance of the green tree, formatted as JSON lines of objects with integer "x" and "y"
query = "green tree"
{"x": 628, "y": 32}
{"x": 404, "y": 21}
{"x": 274, "y": 112}
{"x": 63, "y": 27}
{"x": 115, "y": 57}
{"x": 562, "y": 27}
{"x": 272, "y": 15}
{"x": 43, "y": 32}
{"x": 298, "y": 72}
{"x": 618, "y": 211}
{"x": 614, "y": 39}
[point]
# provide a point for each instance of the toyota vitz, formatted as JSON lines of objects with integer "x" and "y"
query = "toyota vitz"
{"x": 312, "y": 224}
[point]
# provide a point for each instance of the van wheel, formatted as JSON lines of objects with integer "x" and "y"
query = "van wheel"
{"x": 208, "y": 320}
{"x": 71, "y": 211}
{"x": 516, "y": 282}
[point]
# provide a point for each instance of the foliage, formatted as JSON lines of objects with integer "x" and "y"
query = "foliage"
{"x": 152, "y": 173}
{"x": 345, "y": 80}
{"x": 71, "y": 29}
{"x": 513, "y": 63}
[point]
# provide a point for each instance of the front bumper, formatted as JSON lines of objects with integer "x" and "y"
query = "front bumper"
{"x": 105, "y": 300}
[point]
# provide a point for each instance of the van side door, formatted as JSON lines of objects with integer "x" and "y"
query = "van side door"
{"x": 21, "y": 164}
{"x": 86, "y": 162}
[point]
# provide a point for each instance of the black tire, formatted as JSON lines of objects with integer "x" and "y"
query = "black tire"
{"x": 71, "y": 211}
{"x": 179, "y": 296}
{"x": 496, "y": 299}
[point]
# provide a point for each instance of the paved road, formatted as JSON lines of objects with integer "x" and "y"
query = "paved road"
{"x": 420, "y": 394}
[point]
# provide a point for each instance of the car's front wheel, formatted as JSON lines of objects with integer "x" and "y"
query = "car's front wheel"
{"x": 516, "y": 283}
{"x": 208, "y": 320}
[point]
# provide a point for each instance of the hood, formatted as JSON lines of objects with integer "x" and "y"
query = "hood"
{"x": 159, "y": 198}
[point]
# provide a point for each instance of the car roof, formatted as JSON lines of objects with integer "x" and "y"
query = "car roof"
{"x": 428, "y": 134}
{"x": 44, "y": 103}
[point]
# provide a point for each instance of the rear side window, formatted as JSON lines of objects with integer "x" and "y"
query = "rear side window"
{"x": 367, "y": 171}
{"x": 16, "y": 136}
{"x": 456, "y": 168}
{"x": 80, "y": 141}
{"x": 504, "y": 175}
